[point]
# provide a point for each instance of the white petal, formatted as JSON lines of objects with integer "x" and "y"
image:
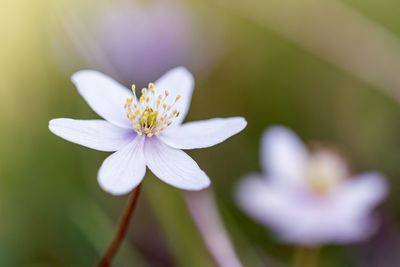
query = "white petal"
{"x": 316, "y": 223}
{"x": 174, "y": 166}
{"x": 96, "y": 134}
{"x": 362, "y": 193}
{"x": 200, "y": 134}
{"x": 273, "y": 204}
{"x": 284, "y": 156}
{"x": 104, "y": 95}
{"x": 303, "y": 219}
{"x": 123, "y": 170}
{"x": 178, "y": 81}
{"x": 263, "y": 201}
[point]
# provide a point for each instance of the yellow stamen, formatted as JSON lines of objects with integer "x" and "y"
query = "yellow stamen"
{"x": 152, "y": 113}
{"x": 151, "y": 87}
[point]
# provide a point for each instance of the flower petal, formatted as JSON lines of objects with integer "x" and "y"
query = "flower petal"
{"x": 104, "y": 95}
{"x": 319, "y": 222}
{"x": 123, "y": 170}
{"x": 283, "y": 155}
{"x": 96, "y": 134}
{"x": 266, "y": 202}
{"x": 200, "y": 134}
{"x": 178, "y": 82}
{"x": 301, "y": 219}
{"x": 174, "y": 166}
{"x": 362, "y": 193}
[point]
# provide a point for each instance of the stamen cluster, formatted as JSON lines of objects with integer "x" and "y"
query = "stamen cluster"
{"x": 151, "y": 114}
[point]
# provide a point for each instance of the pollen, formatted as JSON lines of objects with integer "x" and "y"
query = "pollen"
{"x": 152, "y": 112}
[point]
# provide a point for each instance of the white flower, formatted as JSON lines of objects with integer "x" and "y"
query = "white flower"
{"x": 145, "y": 132}
{"x": 308, "y": 197}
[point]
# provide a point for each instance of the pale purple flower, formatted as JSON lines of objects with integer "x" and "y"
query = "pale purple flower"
{"x": 136, "y": 41}
{"x": 143, "y": 41}
{"x": 309, "y": 197}
{"x": 144, "y": 131}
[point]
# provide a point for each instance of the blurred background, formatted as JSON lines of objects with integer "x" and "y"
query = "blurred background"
{"x": 327, "y": 69}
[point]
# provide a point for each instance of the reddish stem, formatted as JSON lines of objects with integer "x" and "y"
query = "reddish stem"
{"x": 122, "y": 229}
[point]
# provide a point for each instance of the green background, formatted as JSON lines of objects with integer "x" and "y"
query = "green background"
{"x": 52, "y": 211}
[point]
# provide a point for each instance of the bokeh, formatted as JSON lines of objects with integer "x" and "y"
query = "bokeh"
{"x": 329, "y": 70}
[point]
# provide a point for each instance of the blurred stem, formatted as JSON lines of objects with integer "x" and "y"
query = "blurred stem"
{"x": 122, "y": 229}
{"x": 306, "y": 257}
{"x": 203, "y": 209}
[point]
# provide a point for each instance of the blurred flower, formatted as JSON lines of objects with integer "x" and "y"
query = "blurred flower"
{"x": 138, "y": 41}
{"x": 306, "y": 197}
{"x": 145, "y": 131}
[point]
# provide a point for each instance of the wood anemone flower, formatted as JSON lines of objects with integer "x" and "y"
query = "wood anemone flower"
{"x": 309, "y": 198}
{"x": 144, "y": 131}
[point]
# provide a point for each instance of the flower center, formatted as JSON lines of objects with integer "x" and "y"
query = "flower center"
{"x": 325, "y": 171}
{"x": 152, "y": 113}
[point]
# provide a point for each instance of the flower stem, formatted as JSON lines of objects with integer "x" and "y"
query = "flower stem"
{"x": 203, "y": 208}
{"x": 122, "y": 229}
{"x": 306, "y": 257}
